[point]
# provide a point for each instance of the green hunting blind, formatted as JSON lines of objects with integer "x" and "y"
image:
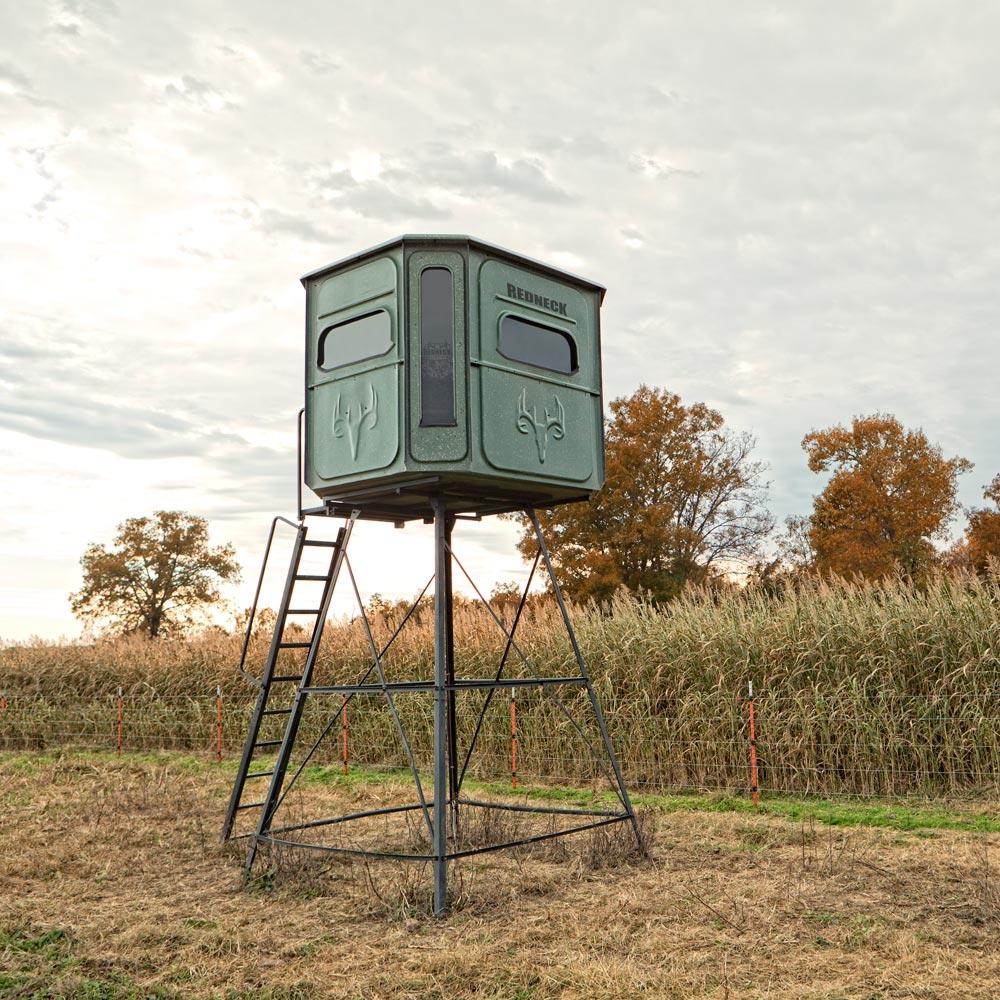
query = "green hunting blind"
{"x": 441, "y": 363}
{"x": 445, "y": 378}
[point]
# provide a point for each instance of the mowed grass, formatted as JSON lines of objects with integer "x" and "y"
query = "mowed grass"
{"x": 115, "y": 886}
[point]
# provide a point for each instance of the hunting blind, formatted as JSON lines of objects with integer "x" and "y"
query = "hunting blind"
{"x": 443, "y": 365}
{"x": 445, "y": 379}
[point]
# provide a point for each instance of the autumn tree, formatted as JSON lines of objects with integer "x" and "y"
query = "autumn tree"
{"x": 891, "y": 495}
{"x": 159, "y": 572}
{"x": 983, "y": 536}
{"x": 683, "y": 497}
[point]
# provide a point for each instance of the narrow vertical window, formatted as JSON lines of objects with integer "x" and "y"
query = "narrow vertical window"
{"x": 437, "y": 348}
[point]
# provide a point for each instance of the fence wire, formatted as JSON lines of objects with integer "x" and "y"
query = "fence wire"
{"x": 922, "y": 753}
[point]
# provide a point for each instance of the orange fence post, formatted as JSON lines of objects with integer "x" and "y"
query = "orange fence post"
{"x": 343, "y": 732}
{"x": 754, "y": 791}
{"x": 121, "y": 706}
{"x": 3, "y": 702}
{"x": 218, "y": 722}
{"x": 513, "y": 737}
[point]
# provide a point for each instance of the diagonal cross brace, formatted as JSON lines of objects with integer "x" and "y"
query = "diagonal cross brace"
{"x": 499, "y": 674}
{"x": 333, "y": 719}
{"x": 560, "y": 704}
{"x": 390, "y": 701}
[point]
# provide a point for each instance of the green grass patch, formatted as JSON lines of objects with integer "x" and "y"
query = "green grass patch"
{"x": 887, "y": 815}
{"x": 356, "y": 777}
{"x": 41, "y": 966}
{"x": 30, "y": 762}
{"x": 50, "y": 944}
{"x": 891, "y": 815}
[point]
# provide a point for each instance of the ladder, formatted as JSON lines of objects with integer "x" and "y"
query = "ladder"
{"x": 278, "y": 696}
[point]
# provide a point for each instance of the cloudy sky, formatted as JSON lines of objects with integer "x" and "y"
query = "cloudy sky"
{"x": 794, "y": 206}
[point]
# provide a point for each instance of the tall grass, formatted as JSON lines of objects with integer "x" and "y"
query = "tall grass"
{"x": 860, "y": 689}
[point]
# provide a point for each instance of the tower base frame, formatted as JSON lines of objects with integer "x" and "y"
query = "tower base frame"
{"x": 441, "y": 811}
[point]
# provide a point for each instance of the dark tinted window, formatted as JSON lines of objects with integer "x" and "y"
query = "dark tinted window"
{"x": 535, "y": 344}
{"x": 437, "y": 348}
{"x": 354, "y": 340}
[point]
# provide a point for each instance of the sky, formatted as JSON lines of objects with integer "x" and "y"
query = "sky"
{"x": 795, "y": 209}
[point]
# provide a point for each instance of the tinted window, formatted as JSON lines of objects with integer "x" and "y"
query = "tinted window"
{"x": 437, "y": 348}
{"x": 534, "y": 344}
{"x": 354, "y": 340}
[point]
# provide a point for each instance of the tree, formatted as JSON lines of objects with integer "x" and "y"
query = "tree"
{"x": 792, "y": 562}
{"x": 892, "y": 493}
{"x": 159, "y": 573}
{"x": 795, "y": 548}
{"x": 983, "y": 536}
{"x": 683, "y": 498}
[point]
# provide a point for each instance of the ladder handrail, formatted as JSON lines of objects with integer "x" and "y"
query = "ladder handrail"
{"x": 253, "y": 609}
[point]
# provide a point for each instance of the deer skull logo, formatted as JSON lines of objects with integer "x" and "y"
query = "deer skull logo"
{"x": 354, "y": 418}
{"x": 553, "y": 423}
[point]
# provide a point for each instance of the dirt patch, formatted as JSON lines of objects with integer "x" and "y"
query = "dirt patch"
{"x": 115, "y": 886}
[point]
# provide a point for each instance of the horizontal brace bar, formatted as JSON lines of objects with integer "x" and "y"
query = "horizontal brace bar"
{"x": 472, "y": 683}
{"x": 537, "y": 838}
{"x": 555, "y": 811}
{"x": 353, "y": 851}
{"x": 508, "y": 682}
{"x": 369, "y": 688}
{"x": 453, "y": 855}
{"x": 343, "y": 819}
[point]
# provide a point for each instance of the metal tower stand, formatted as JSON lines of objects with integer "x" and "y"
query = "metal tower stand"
{"x": 441, "y": 816}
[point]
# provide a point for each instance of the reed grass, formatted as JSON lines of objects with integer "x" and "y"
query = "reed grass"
{"x": 861, "y": 689}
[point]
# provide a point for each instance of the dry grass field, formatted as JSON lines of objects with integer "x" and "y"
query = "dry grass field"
{"x": 114, "y": 886}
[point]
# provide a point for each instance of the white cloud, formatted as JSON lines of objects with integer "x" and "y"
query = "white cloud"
{"x": 792, "y": 226}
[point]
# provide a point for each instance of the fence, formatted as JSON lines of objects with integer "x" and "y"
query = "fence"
{"x": 739, "y": 744}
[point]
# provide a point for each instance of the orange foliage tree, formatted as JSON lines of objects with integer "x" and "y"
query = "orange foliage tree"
{"x": 983, "y": 537}
{"x": 892, "y": 493}
{"x": 683, "y": 496}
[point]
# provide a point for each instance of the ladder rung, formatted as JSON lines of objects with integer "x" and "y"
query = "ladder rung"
{"x": 276, "y": 711}
{"x": 260, "y": 774}
{"x": 286, "y": 677}
{"x": 294, "y": 645}
{"x": 303, "y": 611}
{"x": 267, "y": 743}
{"x": 250, "y": 805}
{"x": 321, "y": 544}
{"x": 311, "y": 576}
